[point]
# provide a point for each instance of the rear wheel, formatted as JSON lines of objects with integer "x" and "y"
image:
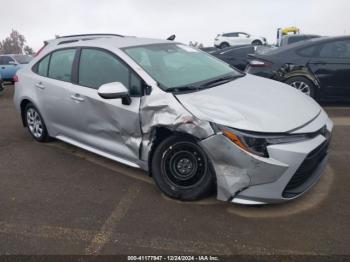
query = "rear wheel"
{"x": 302, "y": 84}
{"x": 35, "y": 123}
{"x": 181, "y": 169}
{"x": 224, "y": 45}
{"x": 256, "y": 42}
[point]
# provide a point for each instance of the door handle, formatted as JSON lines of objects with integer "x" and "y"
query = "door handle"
{"x": 77, "y": 97}
{"x": 40, "y": 85}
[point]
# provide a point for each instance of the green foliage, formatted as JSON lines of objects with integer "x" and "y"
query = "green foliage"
{"x": 15, "y": 44}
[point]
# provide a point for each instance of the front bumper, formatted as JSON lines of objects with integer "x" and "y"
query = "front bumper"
{"x": 289, "y": 172}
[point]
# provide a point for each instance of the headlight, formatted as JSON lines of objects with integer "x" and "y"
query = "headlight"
{"x": 256, "y": 143}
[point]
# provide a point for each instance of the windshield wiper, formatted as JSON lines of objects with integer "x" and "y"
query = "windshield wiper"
{"x": 183, "y": 88}
{"x": 220, "y": 80}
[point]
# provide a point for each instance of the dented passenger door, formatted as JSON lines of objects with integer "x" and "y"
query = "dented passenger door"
{"x": 109, "y": 126}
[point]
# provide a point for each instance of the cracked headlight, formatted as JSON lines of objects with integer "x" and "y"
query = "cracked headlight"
{"x": 256, "y": 143}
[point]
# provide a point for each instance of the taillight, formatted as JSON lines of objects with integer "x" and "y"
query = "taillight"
{"x": 15, "y": 78}
{"x": 259, "y": 63}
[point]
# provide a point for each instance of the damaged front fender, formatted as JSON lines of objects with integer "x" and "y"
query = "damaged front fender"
{"x": 162, "y": 109}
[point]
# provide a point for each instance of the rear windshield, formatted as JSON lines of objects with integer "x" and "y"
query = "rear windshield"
{"x": 23, "y": 59}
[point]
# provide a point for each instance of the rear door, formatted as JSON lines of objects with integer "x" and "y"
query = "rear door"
{"x": 331, "y": 66}
{"x": 107, "y": 125}
{"x": 8, "y": 67}
{"x": 243, "y": 39}
{"x": 55, "y": 90}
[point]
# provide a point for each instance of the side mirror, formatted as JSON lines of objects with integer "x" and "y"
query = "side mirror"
{"x": 12, "y": 63}
{"x": 114, "y": 90}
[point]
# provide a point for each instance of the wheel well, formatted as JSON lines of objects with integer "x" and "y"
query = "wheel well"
{"x": 158, "y": 135}
{"x": 257, "y": 40}
{"x": 24, "y": 103}
{"x": 224, "y": 42}
{"x": 314, "y": 82}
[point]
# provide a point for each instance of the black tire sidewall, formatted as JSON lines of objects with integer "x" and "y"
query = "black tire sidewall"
{"x": 224, "y": 45}
{"x": 256, "y": 42}
{"x": 44, "y": 137}
{"x": 305, "y": 80}
{"x": 201, "y": 190}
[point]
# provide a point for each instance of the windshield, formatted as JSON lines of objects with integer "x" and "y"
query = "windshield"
{"x": 23, "y": 59}
{"x": 176, "y": 65}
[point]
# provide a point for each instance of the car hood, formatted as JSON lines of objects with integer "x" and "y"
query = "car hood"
{"x": 252, "y": 103}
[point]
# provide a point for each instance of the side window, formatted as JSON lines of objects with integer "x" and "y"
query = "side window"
{"x": 43, "y": 66}
{"x": 98, "y": 67}
{"x": 231, "y": 35}
{"x": 307, "y": 51}
{"x": 61, "y": 64}
{"x": 336, "y": 49}
{"x": 5, "y": 60}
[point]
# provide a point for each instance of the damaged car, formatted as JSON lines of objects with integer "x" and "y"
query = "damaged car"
{"x": 194, "y": 122}
{"x": 319, "y": 67}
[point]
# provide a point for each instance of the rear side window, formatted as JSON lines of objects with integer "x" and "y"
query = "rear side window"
{"x": 5, "y": 60}
{"x": 43, "y": 66}
{"x": 61, "y": 64}
{"x": 98, "y": 67}
{"x": 307, "y": 52}
{"x": 230, "y": 35}
{"x": 336, "y": 49}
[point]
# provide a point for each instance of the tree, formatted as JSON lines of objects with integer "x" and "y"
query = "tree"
{"x": 15, "y": 44}
{"x": 28, "y": 50}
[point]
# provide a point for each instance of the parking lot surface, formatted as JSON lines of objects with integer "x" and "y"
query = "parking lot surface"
{"x": 58, "y": 199}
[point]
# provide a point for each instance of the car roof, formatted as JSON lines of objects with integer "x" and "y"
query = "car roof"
{"x": 305, "y": 43}
{"x": 234, "y": 33}
{"x": 101, "y": 40}
{"x": 300, "y": 35}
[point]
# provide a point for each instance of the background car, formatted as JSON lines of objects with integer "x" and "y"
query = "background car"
{"x": 235, "y": 56}
{"x": 9, "y": 64}
{"x": 318, "y": 67}
{"x": 237, "y": 38}
{"x": 290, "y": 39}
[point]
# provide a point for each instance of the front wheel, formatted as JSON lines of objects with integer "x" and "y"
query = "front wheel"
{"x": 181, "y": 168}
{"x": 303, "y": 84}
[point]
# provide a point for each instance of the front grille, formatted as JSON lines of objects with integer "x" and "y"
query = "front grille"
{"x": 306, "y": 169}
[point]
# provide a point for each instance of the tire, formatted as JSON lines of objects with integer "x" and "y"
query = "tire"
{"x": 257, "y": 42}
{"x": 303, "y": 84}
{"x": 181, "y": 169}
{"x": 224, "y": 45}
{"x": 35, "y": 123}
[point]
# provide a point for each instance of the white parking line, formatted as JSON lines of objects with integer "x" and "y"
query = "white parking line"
{"x": 117, "y": 215}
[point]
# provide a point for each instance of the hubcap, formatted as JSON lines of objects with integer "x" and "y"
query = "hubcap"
{"x": 302, "y": 86}
{"x": 34, "y": 123}
{"x": 184, "y": 165}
